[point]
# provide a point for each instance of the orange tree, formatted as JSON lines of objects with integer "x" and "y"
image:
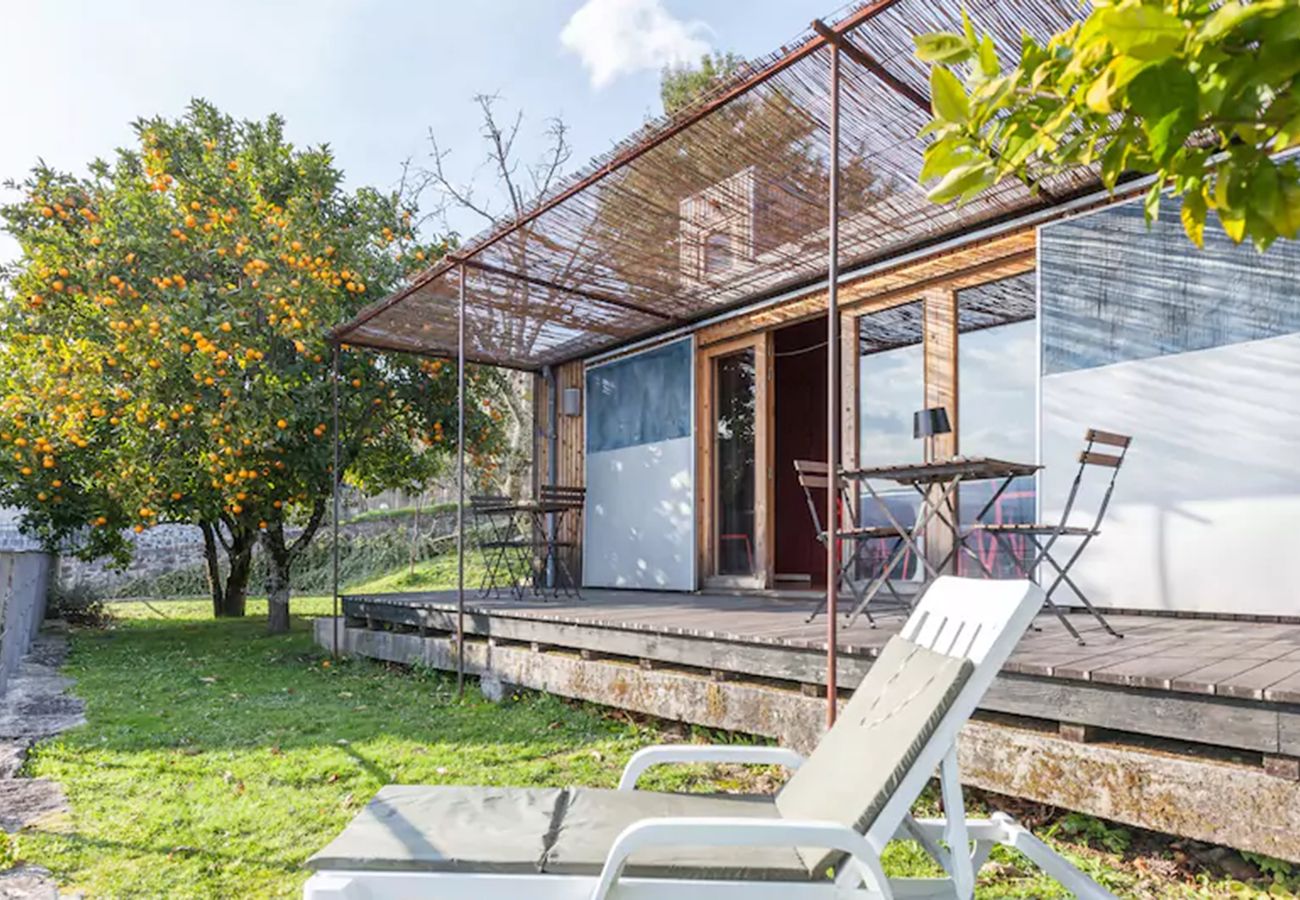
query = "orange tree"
{"x": 165, "y": 358}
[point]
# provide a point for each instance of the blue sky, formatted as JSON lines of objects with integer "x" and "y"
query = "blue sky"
{"x": 369, "y": 78}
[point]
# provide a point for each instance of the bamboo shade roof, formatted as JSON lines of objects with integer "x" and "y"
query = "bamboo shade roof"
{"x": 721, "y": 204}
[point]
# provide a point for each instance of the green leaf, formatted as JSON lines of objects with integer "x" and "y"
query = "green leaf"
{"x": 1151, "y": 203}
{"x": 1230, "y": 15}
{"x": 1113, "y": 161}
{"x": 962, "y": 182}
{"x": 944, "y": 155}
{"x": 947, "y": 97}
{"x": 988, "y": 57}
{"x": 1165, "y": 97}
{"x": 1193, "y": 216}
{"x": 1233, "y": 222}
{"x": 1140, "y": 31}
{"x": 942, "y": 48}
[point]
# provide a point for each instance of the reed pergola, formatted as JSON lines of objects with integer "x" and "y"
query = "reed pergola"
{"x": 824, "y": 131}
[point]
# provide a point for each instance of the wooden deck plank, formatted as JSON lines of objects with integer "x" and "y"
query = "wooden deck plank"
{"x": 1148, "y": 671}
{"x": 1286, "y": 690}
{"x": 1204, "y": 656}
{"x": 1207, "y": 678}
{"x": 1252, "y": 683}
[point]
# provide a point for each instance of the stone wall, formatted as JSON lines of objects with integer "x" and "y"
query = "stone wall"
{"x": 24, "y": 582}
{"x": 165, "y": 549}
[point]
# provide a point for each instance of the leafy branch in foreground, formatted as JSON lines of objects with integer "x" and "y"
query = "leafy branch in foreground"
{"x": 1199, "y": 93}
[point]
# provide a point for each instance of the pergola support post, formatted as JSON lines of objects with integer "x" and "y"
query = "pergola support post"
{"x": 336, "y": 484}
{"x": 460, "y": 486}
{"x": 833, "y": 389}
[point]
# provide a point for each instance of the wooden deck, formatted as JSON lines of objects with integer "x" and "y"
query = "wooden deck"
{"x": 1225, "y": 683}
{"x": 1186, "y": 726}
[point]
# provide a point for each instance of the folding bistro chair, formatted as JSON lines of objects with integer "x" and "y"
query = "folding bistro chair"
{"x": 503, "y": 548}
{"x": 560, "y": 501}
{"x": 820, "y": 838}
{"x": 813, "y": 477}
{"x": 1042, "y": 537}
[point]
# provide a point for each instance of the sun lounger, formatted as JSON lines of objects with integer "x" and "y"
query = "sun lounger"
{"x": 821, "y": 836}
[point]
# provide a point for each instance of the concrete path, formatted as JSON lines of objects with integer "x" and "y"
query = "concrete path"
{"x": 37, "y": 704}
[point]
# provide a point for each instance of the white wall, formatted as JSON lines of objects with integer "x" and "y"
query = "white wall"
{"x": 1206, "y": 515}
{"x": 640, "y": 517}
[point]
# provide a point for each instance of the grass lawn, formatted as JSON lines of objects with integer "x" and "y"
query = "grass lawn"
{"x": 217, "y": 758}
{"x": 435, "y": 573}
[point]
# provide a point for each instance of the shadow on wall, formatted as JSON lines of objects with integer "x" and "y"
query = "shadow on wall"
{"x": 1205, "y": 507}
{"x": 640, "y": 523}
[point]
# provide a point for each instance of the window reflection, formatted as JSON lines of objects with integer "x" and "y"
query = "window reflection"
{"x": 891, "y": 386}
{"x": 997, "y": 364}
{"x": 734, "y": 445}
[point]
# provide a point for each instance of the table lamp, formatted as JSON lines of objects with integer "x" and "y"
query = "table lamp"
{"x": 928, "y": 424}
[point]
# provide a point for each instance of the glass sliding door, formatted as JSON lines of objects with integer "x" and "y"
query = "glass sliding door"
{"x": 891, "y": 387}
{"x": 735, "y": 453}
{"x": 997, "y": 359}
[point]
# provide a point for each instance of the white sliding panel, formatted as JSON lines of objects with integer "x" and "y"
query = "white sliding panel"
{"x": 640, "y": 516}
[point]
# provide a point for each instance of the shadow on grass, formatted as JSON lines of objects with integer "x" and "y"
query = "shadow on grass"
{"x": 202, "y": 685}
{"x": 141, "y": 852}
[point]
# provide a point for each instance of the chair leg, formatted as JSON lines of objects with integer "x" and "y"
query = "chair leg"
{"x": 955, "y": 835}
{"x": 1063, "y": 576}
{"x": 1026, "y": 572}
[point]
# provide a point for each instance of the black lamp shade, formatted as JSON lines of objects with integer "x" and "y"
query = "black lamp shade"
{"x": 931, "y": 421}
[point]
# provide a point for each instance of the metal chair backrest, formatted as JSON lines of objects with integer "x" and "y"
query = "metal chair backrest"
{"x": 815, "y": 476}
{"x": 487, "y": 507}
{"x": 563, "y": 495}
{"x": 1101, "y": 460}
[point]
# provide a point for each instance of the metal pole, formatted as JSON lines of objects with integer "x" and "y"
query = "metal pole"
{"x": 552, "y": 462}
{"x": 832, "y": 391}
{"x": 460, "y": 487}
{"x": 335, "y": 485}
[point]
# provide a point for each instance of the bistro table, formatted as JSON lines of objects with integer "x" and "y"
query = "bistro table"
{"x": 546, "y": 548}
{"x": 936, "y": 482}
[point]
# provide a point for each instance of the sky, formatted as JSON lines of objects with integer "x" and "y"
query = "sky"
{"x": 371, "y": 79}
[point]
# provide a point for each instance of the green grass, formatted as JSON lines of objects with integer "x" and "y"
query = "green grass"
{"x": 402, "y": 512}
{"x": 216, "y": 758}
{"x": 427, "y": 574}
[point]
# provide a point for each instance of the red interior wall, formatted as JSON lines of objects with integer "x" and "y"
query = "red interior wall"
{"x": 799, "y": 382}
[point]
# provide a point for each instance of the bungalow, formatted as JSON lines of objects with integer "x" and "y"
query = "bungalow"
{"x": 759, "y": 280}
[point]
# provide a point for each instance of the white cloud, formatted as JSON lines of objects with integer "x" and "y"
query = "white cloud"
{"x": 619, "y": 37}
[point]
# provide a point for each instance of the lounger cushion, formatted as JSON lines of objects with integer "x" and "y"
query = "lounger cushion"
{"x": 531, "y": 830}
{"x": 446, "y": 829}
{"x": 876, "y": 738}
{"x": 594, "y": 818}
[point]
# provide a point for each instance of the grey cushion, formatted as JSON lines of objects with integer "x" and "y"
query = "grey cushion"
{"x": 875, "y": 740}
{"x": 530, "y": 830}
{"x": 594, "y": 818}
{"x": 475, "y": 829}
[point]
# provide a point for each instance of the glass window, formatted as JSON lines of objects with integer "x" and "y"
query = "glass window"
{"x": 891, "y": 387}
{"x": 1116, "y": 288}
{"x": 997, "y": 365}
{"x": 734, "y": 447}
{"x": 641, "y": 399}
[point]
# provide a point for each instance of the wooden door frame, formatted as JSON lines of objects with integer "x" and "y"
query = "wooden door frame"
{"x": 706, "y": 470}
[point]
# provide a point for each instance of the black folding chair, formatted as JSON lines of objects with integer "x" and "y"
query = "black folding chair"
{"x": 814, "y": 476}
{"x": 559, "y": 501}
{"x": 1043, "y": 537}
{"x": 504, "y": 546}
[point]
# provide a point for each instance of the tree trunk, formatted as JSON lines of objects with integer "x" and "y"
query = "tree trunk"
{"x": 241, "y": 567}
{"x": 278, "y": 562}
{"x": 229, "y": 596}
